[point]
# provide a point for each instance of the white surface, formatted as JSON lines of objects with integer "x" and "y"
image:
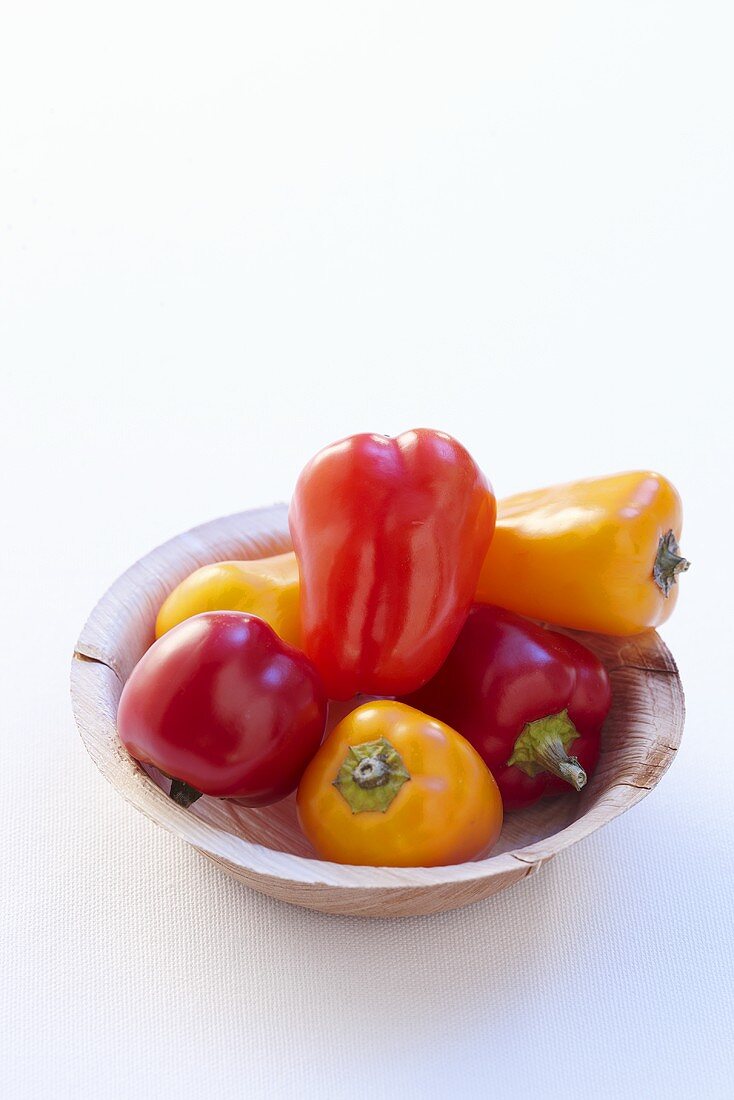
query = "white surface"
{"x": 231, "y": 233}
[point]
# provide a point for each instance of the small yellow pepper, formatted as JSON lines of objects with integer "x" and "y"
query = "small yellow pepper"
{"x": 267, "y": 587}
{"x": 599, "y": 554}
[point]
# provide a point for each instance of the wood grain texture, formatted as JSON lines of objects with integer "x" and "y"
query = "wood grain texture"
{"x": 264, "y": 848}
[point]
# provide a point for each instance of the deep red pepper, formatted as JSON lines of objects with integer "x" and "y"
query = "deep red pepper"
{"x": 223, "y": 706}
{"x": 390, "y": 536}
{"x": 531, "y": 701}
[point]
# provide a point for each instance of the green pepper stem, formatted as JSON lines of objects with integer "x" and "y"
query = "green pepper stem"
{"x": 543, "y": 747}
{"x": 554, "y": 758}
{"x": 370, "y": 776}
{"x": 668, "y": 563}
{"x": 372, "y": 771}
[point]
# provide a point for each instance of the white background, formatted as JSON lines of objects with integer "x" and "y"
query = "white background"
{"x": 230, "y": 233}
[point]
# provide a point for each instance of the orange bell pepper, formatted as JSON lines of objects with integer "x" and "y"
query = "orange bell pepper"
{"x": 267, "y": 588}
{"x": 392, "y": 787}
{"x": 599, "y": 554}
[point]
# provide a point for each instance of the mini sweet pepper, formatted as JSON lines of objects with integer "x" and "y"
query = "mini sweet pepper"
{"x": 390, "y": 535}
{"x": 267, "y": 587}
{"x": 599, "y": 554}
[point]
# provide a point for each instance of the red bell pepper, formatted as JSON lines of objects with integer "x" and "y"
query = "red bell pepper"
{"x": 526, "y": 698}
{"x": 224, "y": 707}
{"x": 390, "y": 536}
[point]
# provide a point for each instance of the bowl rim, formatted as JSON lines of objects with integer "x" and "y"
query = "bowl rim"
{"x": 100, "y": 667}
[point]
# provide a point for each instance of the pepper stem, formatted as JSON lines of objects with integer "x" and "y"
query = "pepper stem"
{"x": 543, "y": 747}
{"x": 556, "y": 760}
{"x": 370, "y": 776}
{"x": 668, "y": 563}
{"x": 371, "y": 772}
{"x": 183, "y": 794}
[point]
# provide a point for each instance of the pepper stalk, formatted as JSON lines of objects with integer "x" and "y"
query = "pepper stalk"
{"x": 543, "y": 746}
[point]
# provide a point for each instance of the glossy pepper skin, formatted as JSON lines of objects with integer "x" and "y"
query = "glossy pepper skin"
{"x": 223, "y": 705}
{"x": 266, "y": 587}
{"x": 391, "y": 787}
{"x": 600, "y": 554}
{"x": 390, "y": 535}
{"x": 531, "y": 701}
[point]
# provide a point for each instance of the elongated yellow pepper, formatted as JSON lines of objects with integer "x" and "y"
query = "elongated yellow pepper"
{"x": 600, "y": 554}
{"x": 267, "y": 587}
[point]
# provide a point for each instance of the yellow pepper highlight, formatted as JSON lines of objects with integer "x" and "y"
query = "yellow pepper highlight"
{"x": 267, "y": 587}
{"x": 599, "y": 554}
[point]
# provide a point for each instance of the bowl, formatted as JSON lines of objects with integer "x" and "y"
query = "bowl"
{"x": 264, "y": 848}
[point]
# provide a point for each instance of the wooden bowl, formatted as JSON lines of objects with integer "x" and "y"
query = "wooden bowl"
{"x": 264, "y": 848}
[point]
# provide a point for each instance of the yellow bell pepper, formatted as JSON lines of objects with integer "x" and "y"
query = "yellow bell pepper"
{"x": 599, "y": 555}
{"x": 267, "y": 587}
